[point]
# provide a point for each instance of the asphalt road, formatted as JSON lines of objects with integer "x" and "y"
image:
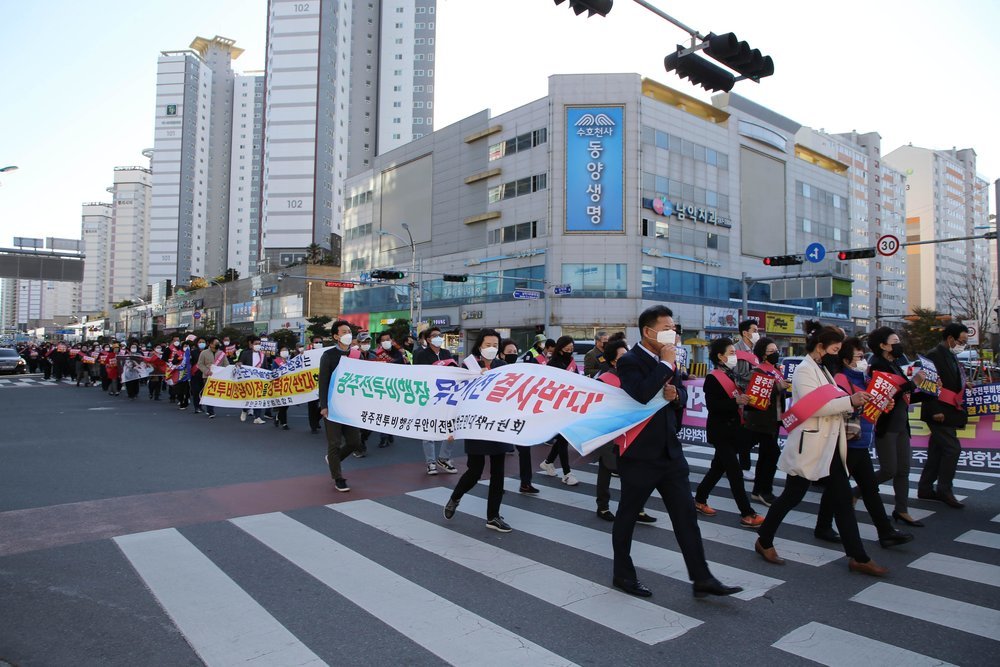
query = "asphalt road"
{"x": 133, "y": 533}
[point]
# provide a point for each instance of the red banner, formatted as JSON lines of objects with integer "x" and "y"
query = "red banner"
{"x": 882, "y": 388}
{"x": 759, "y": 390}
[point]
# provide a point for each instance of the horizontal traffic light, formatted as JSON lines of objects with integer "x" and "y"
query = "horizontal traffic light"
{"x": 737, "y": 55}
{"x": 455, "y": 278}
{"x": 592, "y": 7}
{"x": 380, "y": 274}
{"x": 699, "y": 71}
{"x": 784, "y": 260}
{"x": 861, "y": 253}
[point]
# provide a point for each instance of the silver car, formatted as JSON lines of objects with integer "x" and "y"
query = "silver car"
{"x": 11, "y": 362}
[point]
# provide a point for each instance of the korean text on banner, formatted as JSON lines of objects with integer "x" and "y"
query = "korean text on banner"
{"x": 759, "y": 390}
{"x": 523, "y": 404}
{"x": 882, "y": 389}
{"x": 249, "y": 387}
{"x": 931, "y": 384}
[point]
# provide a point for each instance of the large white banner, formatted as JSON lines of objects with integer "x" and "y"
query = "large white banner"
{"x": 297, "y": 381}
{"x": 523, "y": 404}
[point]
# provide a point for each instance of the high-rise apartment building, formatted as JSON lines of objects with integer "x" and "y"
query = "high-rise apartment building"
{"x": 944, "y": 199}
{"x": 96, "y": 225}
{"x": 8, "y": 304}
{"x": 245, "y": 171}
{"x": 191, "y": 161}
{"x": 345, "y": 81}
{"x": 128, "y": 254}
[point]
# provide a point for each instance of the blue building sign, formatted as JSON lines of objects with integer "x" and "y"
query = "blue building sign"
{"x": 595, "y": 161}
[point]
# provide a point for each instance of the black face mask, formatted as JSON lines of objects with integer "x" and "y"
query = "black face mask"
{"x": 773, "y": 359}
{"x": 510, "y": 358}
{"x": 831, "y": 362}
{"x": 897, "y": 351}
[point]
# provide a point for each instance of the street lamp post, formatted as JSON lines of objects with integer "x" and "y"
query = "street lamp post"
{"x": 413, "y": 263}
{"x": 222, "y": 316}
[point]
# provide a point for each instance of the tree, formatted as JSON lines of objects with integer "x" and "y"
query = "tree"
{"x": 285, "y": 338}
{"x": 922, "y": 331}
{"x": 400, "y": 329}
{"x": 314, "y": 253}
{"x": 197, "y": 283}
{"x": 973, "y": 298}
{"x": 125, "y": 303}
{"x": 317, "y": 326}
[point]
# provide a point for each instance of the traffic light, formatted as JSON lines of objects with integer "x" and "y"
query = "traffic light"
{"x": 455, "y": 278}
{"x": 738, "y": 56}
{"x": 380, "y": 274}
{"x": 783, "y": 260}
{"x": 862, "y": 253}
{"x": 699, "y": 71}
{"x": 592, "y": 7}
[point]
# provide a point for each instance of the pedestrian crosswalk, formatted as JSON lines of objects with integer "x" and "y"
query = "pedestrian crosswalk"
{"x": 15, "y": 381}
{"x": 556, "y": 564}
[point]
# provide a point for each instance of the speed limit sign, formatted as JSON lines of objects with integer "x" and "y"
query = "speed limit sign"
{"x": 887, "y": 245}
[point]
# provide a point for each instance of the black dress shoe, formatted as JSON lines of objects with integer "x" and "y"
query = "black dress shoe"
{"x": 897, "y": 517}
{"x": 607, "y": 515}
{"x": 895, "y": 538}
{"x": 632, "y": 587}
{"x": 645, "y": 518}
{"x": 950, "y": 500}
{"x": 827, "y": 535}
{"x": 713, "y": 587}
{"x": 927, "y": 495}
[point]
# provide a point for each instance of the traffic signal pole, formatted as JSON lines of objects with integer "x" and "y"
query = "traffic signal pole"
{"x": 747, "y": 281}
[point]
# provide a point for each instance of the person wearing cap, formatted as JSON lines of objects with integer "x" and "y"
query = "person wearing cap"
{"x": 435, "y": 353}
{"x": 540, "y": 351}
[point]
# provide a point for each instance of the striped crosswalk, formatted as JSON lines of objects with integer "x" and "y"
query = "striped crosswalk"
{"x": 228, "y": 625}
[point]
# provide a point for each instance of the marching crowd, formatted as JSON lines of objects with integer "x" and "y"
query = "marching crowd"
{"x": 828, "y": 441}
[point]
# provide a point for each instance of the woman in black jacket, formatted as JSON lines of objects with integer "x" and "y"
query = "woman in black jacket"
{"x": 764, "y": 424}
{"x": 562, "y": 359}
{"x": 892, "y": 430}
{"x": 486, "y": 350}
{"x": 725, "y": 431}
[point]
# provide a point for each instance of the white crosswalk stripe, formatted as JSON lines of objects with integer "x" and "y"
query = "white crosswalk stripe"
{"x": 834, "y": 647}
{"x": 980, "y": 538}
{"x": 655, "y": 559}
{"x": 963, "y": 568}
{"x": 955, "y": 614}
{"x": 412, "y": 610}
{"x": 635, "y": 618}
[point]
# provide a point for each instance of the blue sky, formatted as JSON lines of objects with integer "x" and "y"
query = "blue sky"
{"x": 77, "y": 80}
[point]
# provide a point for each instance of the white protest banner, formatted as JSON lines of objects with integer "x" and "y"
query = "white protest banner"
{"x": 297, "y": 381}
{"x": 523, "y": 404}
{"x": 134, "y": 367}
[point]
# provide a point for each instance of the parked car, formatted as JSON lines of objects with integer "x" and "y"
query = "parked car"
{"x": 11, "y": 362}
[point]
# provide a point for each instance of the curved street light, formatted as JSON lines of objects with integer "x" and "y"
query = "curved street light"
{"x": 414, "y": 281}
{"x": 4, "y": 170}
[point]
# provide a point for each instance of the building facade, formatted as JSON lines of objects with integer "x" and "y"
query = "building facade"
{"x": 618, "y": 190}
{"x": 245, "y": 173}
{"x": 344, "y": 81}
{"x": 128, "y": 252}
{"x": 944, "y": 199}
{"x": 96, "y": 233}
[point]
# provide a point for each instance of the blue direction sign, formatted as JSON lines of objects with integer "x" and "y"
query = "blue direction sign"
{"x": 815, "y": 253}
{"x": 527, "y": 294}
{"x": 562, "y": 289}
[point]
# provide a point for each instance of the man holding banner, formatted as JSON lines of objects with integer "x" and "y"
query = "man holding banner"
{"x": 944, "y": 415}
{"x": 337, "y": 434}
{"x": 655, "y": 460}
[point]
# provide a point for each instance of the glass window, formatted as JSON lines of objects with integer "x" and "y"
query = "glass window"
{"x": 712, "y": 198}
{"x": 524, "y": 142}
{"x": 662, "y": 230}
{"x": 711, "y": 156}
{"x": 687, "y": 148}
{"x": 647, "y": 135}
{"x": 723, "y": 161}
{"x": 699, "y": 153}
{"x": 662, "y": 184}
{"x": 713, "y": 241}
{"x": 662, "y": 139}
{"x": 648, "y": 181}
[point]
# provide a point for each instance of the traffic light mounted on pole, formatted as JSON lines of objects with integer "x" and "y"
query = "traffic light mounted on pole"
{"x": 860, "y": 253}
{"x": 784, "y": 260}
{"x": 726, "y": 49}
{"x": 592, "y": 7}
{"x": 699, "y": 71}
{"x": 455, "y": 278}
{"x": 380, "y": 274}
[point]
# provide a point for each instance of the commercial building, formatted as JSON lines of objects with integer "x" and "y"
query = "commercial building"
{"x": 944, "y": 199}
{"x": 345, "y": 81}
{"x": 127, "y": 254}
{"x": 620, "y": 191}
{"x": 95, "y": 231}
{"x": 245, "y": 173}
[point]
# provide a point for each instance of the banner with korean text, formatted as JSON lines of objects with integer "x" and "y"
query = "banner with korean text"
{"x": 297, "y": 381}
{"x": 523, "y": 404}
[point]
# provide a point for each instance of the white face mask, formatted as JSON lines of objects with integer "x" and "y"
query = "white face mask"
{"x": 284, "y": 354}
{"x": 960, "y": 347}
{"x": 437, "y": 341}
{"x": 346, "y": 339}
{"x": 201, "y": 346}
{"x": 134, "y": 348}
{"x": 731, "y": 361}
{"x": 256, "y": 348}
{"x": 861, "y": 366}
{"x": 489, "y": 353}
{"x": 365, "y": 347}
{"x": 318, "y": 346}
{"x": 754, "y": 337}
{"x": 666, "y": 337}
{"x": 386, "y": 345}
{"x": 225, "y": 342}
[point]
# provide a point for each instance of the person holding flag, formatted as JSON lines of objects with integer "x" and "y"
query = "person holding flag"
{"x": 817, "y": 448}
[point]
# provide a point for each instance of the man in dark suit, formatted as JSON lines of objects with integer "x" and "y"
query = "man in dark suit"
{"x": 655, "y": 459}
{"x": 341, "y": 439}
{"x": 945, "y": 417}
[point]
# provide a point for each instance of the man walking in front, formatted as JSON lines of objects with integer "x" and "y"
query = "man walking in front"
{"x": 655, "y": 460}
{"x": 341, "y": 439}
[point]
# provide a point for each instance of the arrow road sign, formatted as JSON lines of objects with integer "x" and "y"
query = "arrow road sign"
{"x": 562, "y": 289}
{"x": 815, "y": 253}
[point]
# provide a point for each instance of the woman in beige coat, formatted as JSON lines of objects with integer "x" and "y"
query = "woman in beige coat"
{"x": 817, "y": 449}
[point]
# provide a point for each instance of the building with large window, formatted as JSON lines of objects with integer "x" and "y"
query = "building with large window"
{"x": 245, "y": 173}
{"x": 582, "y": 208}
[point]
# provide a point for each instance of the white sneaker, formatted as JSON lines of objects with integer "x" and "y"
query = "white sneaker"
{"x": 243, "y": 416}
{"x": 432, "y": 469}
{"x": 569, "y": 480}
{"x": 259, "y": 421}
{"x": 749, "y": 476}
{"x": 548, "y": 468}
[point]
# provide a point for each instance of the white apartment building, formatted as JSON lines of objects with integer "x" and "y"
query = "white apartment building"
{"x": 944, "y": 199}
{"x": 345, "y": 81}
{"x": 8, "y": 304}
{"x": 42, "y": 302}
{"x": 245, "y": 173}
{"x": 95, "y": 230}
{"x": 128, "y": 253}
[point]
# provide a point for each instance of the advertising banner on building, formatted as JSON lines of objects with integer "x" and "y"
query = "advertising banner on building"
{"x": 595, "y": 159}
{"x": 249, "y": 387}
{"x": 522, "y": 404}
{"x": 722, "y": 318}
{"x": 780, "y": 324}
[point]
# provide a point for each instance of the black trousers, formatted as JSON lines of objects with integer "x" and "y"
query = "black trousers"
{"x": 725, "y": 462}
{"x": 282, "y": 417}
{"x": 476, "y": 463}
{"x": 767, "y": 462}
{"x": 859, "y": 465}
{"x": 603, "y": 485}
{"x": 524, "y": 461}
{"x": 839, "y": 502}
{"x": 669, "y": 477}
{"x": 560, "y": 448}
{"x": 341, "y": 441}
{"x": 314, "y": 416}
{"x": 132, "y": 388}
{"x": 183, "y": 391}
{"x": 197, "y": 384}
{"x": 155, "y": 385}
{"x": 943, "y": 452}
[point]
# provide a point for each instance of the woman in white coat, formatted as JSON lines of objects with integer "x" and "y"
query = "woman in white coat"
{"x": 817, "y": 448}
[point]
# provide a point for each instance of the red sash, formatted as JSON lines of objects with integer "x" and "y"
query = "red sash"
{"x": 748, "y": 357}
{"x": 629, "y": 436}
{"x": 727, "y": 384}
{"x": 572, "y": 367}
{"x": 951, "y": 398}
{"x": 808, "y": 405}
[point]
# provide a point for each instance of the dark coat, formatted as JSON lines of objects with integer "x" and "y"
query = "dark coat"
{"x": 642, "y": 378}
{"x": 724, "y": 423}
{"x": 327, "y": 364}
{"x": 896, "y": 420}
{"x": 427, "y": 356}
{"x": 488, "y": 447}
{"x": 950, "y": 373}
{"x": 768, "y": 420}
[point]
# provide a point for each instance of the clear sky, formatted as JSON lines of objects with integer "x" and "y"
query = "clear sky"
{"x": 77, "y": 80}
